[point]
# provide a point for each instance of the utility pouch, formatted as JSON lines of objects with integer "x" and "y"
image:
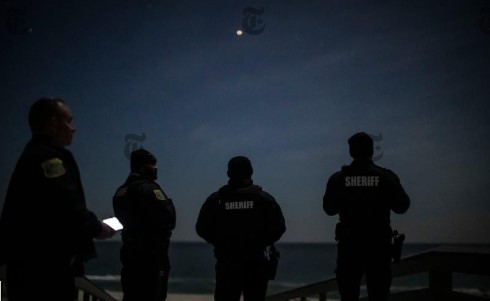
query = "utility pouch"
{"x": 396, "y": 246}
{"x": 272, "y": 261}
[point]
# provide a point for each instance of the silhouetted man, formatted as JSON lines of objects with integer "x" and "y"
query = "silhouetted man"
{"x": 240, "y": 220}
{"x": 46, "y": 229}
{"x": 148, "y": 217}
{"x": 363, "y": 194}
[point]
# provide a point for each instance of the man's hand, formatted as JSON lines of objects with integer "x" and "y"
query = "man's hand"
{"x": 106, "y": 232}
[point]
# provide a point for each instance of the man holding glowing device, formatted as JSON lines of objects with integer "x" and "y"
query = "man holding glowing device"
{"x": 45, "y": 201}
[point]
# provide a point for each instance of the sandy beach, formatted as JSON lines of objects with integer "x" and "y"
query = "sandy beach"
{"x": 188, "y": 297}
{"x": 174, "y": 297}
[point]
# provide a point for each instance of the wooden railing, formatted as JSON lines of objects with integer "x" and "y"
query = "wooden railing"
{"x": 87, "y": 290}
{"x": 439, "y": 264}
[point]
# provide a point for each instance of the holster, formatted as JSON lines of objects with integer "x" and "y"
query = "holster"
{"x": 272, "y": 261}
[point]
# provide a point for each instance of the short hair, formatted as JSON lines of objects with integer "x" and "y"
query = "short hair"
{"x": 240, "y": 168}
{"x": 42, "y": 111}
{"x": 361, "y": 146}
{"x": 139, "y": 158}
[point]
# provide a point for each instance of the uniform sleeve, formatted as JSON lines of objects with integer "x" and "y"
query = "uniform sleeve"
{"x": 331, "y": 198}
{"x": 159, "y": 209}
{"x": 399, "y": 200}
{"x": 120, "y": 204}
{"x": 65, "y": 198}
{"x": 206, "y": 221}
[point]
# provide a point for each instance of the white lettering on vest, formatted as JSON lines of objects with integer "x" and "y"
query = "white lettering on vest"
{"x": 239, "y": 205}
{"x": 362, "y": 181}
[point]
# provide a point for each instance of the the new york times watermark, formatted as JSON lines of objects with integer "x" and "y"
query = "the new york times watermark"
{"x": 253, "y": 21}
{"x": 378, "y": 151}
{"x": 133, "y": 142}
{"x": 17, "y": 21}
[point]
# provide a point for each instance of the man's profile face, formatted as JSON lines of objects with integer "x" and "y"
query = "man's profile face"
{"x": 63, "y": 127}
{"x": 150, "y": 169}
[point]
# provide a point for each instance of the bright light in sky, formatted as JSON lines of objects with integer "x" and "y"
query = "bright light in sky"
{"x": 239, "y": 32}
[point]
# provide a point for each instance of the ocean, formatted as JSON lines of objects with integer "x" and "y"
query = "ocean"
{"x": 300, "y": 263}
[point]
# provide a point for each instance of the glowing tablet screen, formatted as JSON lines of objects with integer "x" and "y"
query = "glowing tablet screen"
{"x": 113, "y": 223}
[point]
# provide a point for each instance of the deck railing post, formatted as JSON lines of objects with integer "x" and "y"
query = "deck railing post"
{"x": 439, "y": 264}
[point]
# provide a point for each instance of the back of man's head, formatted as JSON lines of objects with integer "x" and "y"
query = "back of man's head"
{"x": 240, "y": 168}
{"x": 42, "y": 111}
{"x": 361, "y": 146}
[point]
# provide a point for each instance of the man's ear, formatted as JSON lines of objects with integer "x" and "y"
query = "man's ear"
{"x": 53, "y": 120}
{"x": 52, "y": 124}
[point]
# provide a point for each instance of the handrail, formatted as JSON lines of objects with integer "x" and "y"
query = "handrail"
{"x": 87, "y": 290}
{"x": 439, "y": 263}
{"x": 90, "y": 291}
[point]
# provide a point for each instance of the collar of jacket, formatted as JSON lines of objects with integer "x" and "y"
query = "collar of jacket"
{"x": 362, "y": 162}
{"x": 240, "y": 183}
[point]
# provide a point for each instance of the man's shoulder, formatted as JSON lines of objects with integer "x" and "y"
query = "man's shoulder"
{"x": 339, "y": 174}
{"x": 261, "y": 193}
{"x": 214, "y": 196}
{"x": 141, "y": 184}
{"x": 384, "y": 170}
{"x": 43, "y": 158}
{"x": 266, "y": 195}
{"x": 387, "y": 174}
{"x": 41, "y": 151}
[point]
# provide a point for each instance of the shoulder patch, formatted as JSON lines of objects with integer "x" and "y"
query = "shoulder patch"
{"x": 53, "y": 168}
{"x": 121, "y": 191}
{"x": 159, "y": 195}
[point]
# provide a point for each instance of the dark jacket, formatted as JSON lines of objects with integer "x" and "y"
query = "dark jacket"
{"x": 145, "y": 211}
{"x": 240, "y": 217}
{"x": 363, "y": 194}
{"x": 44, "y": 215}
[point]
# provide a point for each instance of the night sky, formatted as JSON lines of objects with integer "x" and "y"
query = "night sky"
{"x": 174, "y": 77}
